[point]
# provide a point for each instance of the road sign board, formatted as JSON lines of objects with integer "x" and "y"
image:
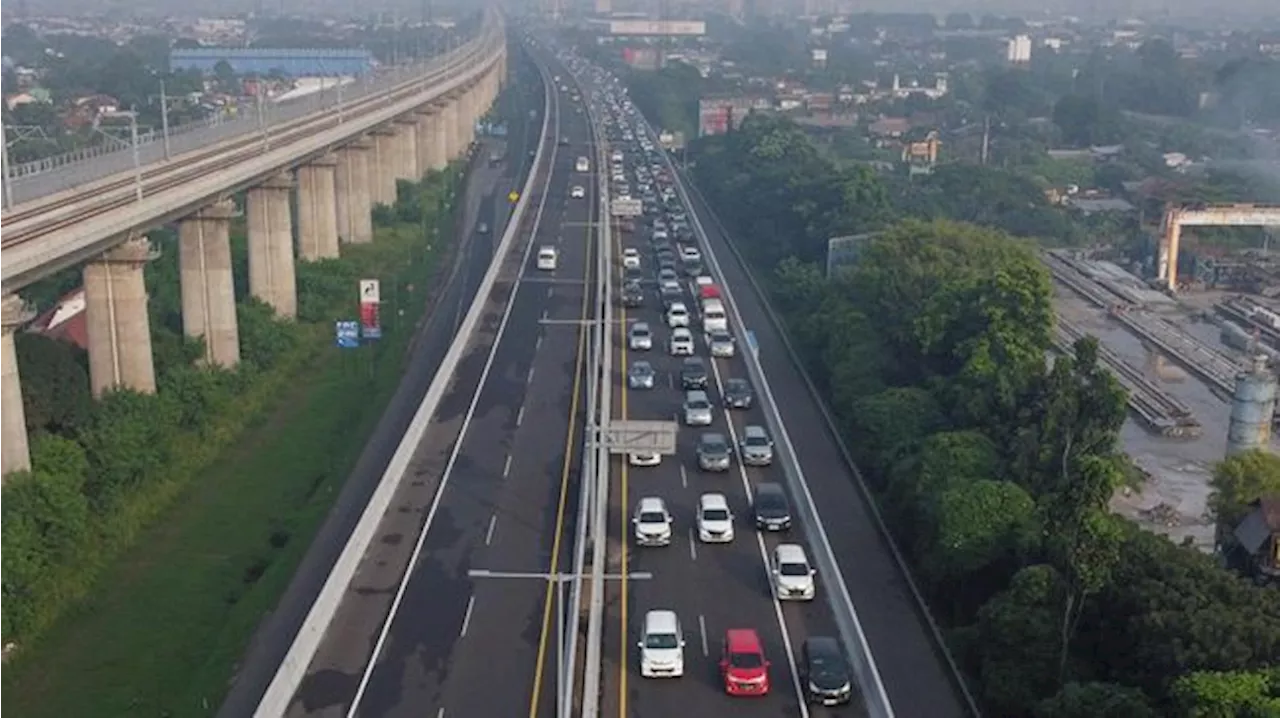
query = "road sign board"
{"x": 641, "y": 437}
{"x": 626, "y": 207}
{"x": 346, "y": 334}
{"x": 513, "y": 196}
{"x": 752, "y": 344}
{"x": 370, "y": 291}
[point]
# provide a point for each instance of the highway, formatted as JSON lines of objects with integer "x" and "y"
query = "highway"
{"x": 493, "y": 486}
{"x": 711, "y": 587}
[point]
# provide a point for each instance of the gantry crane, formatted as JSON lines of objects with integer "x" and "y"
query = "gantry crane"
{"x": 1200, "y": 215}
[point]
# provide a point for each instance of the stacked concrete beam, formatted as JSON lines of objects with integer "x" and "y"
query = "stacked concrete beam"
{"x": 354, "y": 193}
{"x": 382, "y": 171}
{"x": 208, "y": 287}
{"x": 118, "y": 327}
{"x": 271, "y": 270}
{"x": 15, "y": 454}
{"x": 317, "y": 209}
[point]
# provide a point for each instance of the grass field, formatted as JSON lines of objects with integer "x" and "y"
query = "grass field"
{"x": 167, "y": 622}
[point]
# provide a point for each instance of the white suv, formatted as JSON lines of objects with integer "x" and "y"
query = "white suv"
{"x": 792, "y": 573}
{"x": 677, "y": 315}
{"x": 631, "y": 258}
{"x": 681, "y": 343}
{"x": 715, "y": 520}
{"x": 652, "y": 522}
{"x": 661, "y": 645}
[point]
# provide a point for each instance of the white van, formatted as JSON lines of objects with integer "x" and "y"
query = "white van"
{"x": 547, "y": 258}
{"x": 714, "y": 318}
{"x": 661, "y": 645}
{"x": 583, "y": 165}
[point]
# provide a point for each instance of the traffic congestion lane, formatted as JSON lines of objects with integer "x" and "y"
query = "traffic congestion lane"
{"x": 915, "y": 674}
{"x": 695, "y": 579}
{"x": 418, "y": 644}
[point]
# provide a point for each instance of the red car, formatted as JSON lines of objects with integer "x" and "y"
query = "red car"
{"x": 744, "y": 668}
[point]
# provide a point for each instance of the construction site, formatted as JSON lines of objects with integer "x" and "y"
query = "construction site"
{"x": 1198, "y": 356}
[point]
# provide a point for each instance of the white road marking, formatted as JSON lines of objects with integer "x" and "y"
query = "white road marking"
{"x": 529, "y": 377}
{"x": 538, "y": 344}
{"x": 702, "y": 629}
{"x": 520, "y": 416}
{"x": 440, "y": 713}
{"x": 493, "y": 523}
{"x": 684, "y": 477}
{"x": 693, "y": 546}
{"x": 544, "y": 314}
{"x": 466, "y": 620}
{"x": 550, "y": 289}
{"x": 506, "y": 467}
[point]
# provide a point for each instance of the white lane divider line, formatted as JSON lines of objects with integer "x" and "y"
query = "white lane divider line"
{"x": 506, "y": 467}
{"x": 684, "y": 477}
{"x": 488, "y": 535}
{"x": 520, "y": 416}
{"x": 466, "y": 620}
{"x": 528, "y": 379}
{"x": 702, "y": 630}
{"x": 440, "y": 713}
{"x": 544, "y": 314}
{"x": 551, "y": 288}
{"x": 693, "y": 546}
{"x": 538, "y": 344}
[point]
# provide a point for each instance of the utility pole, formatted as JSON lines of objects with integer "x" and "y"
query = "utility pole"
{"x": 8, "y": 170}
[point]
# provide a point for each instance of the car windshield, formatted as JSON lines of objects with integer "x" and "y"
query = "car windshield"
{"x": 699, "y": 404}
{"x": 715, "y": 515}
{"x": 653, "y": 517}
{"x": 793, "y": 569}
{"x": 640, "y": 331}
{"x": 714, "y": 446}
{"x": 639, "y": 369}
{"x": 746, "y": 660}
{"x": 661, "y": 641}
{"x": 736, "y": 386}
{"x": 772, "y": 502}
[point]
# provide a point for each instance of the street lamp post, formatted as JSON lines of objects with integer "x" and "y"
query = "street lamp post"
{"x": 132, "y": 115}
{"x": 559, "y": 579}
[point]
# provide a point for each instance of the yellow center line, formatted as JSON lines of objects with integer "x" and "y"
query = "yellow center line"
{"x": 623, "y": 640}
{"x": 564, "y": 481}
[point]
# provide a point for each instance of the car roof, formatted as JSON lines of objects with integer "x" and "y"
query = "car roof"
{"x": 681, "y": 332}
{"x": 712, "y": 436}
{"x": 713, "y": 501}
{"x": 743, "y": 640}
{"x": 695, "y": 394}
{"x": 754, "y": 430}
{"x": 692, "y": 361}
{"x": 661, "y": 621}
{"x": 546, "y": 248}
{"x": 677, "y": 305}
{"x": 640, "y": 325}
{"x": 825, "y": 646}
{"x": 790, "y": 553}
{"x": 651, "y": 503}
{"x": 768, "y": 488}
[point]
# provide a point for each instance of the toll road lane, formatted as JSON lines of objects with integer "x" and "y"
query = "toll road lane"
{"x": 712, "y": 588}
{"x": 417, "y": 666}
{"x": 915, "y": 675}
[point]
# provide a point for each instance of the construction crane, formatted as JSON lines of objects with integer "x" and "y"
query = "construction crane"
{"x": 1200, "y": 215}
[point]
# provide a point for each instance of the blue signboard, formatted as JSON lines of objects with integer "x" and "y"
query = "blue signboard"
{"x": 346, "y": 334}
{"x": 751, "y": 343}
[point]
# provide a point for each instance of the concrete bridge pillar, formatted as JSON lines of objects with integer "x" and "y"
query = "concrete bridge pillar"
{"x": 352, "y": 188}
{"x": 317, "y": 210}
{"x": 117, "y": 324}
{"x": 467, "y": 118}
{"x": 208, "y": 289}
{"x": 425, "y": 144}
{"x": 382, "y": 171}
{"x": 271, "y": 272}
{"x": 440, "y": 136}
{"x": 452, "y": 142}
{"x": 407, "y": 156}
{"x": 15, "y": 455}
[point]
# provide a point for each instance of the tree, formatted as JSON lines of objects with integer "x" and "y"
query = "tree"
{"x": 891, "y": 423}
{"x": 977, "y": 524}
{"x": 1017, "y": 646}
{"x": 1095, "y": 700}
{"x": 55, "y": 384}
{"x": 1085, "y": 121}
{"x": 1240, "y": 480}
{"x": 1234, "y": 694}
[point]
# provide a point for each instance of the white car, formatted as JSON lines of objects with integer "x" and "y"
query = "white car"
{"x": 631, "y": 258}
{"x": 652, "y": 522}
{"x": 792, "y": 573}
{"x": 721, "y": 344}
{"x": 639, "y": 337}
{"x": 681, "y": 342}
{"x": 690, "y": 253}
{"x": 578, "y": 192}
{"x": 677, "y": 315}
{"x": 715, "y": 520}
{"x": 642, "y": 460}
{"x": 661, "y": 645}
{"x": 548, "y": 258}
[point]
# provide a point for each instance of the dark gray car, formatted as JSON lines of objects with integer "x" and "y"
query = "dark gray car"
{"x": 738, "y": 394}
{"x": 713, "y": 453}
{"x": 772, "y": 509}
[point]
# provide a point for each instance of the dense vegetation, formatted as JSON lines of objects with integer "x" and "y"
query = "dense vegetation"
{"x": 993, "y": 468}
{"x": 103, "y": 470}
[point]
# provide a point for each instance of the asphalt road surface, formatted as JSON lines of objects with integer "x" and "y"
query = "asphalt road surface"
{"x": 432, "y": 641}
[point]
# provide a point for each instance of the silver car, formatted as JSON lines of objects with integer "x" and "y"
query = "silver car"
{"x": 721, "y": 344}
{"x": 640, "y": 337}
{"x": 757, "y": 447}
{"x": 713, "y": 453}
{"x": 641, "y": 375}
{"x": 697, "y": 408}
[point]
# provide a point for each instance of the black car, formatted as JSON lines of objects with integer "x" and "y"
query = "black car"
{"x": 773, "y": 511}
{"x": 826, "y": 671}
{"x": 632, "y": 296}
{"x": 693, "y": 373}
{"x": 666, "y": 261}
{"x": 738, "y": 394}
